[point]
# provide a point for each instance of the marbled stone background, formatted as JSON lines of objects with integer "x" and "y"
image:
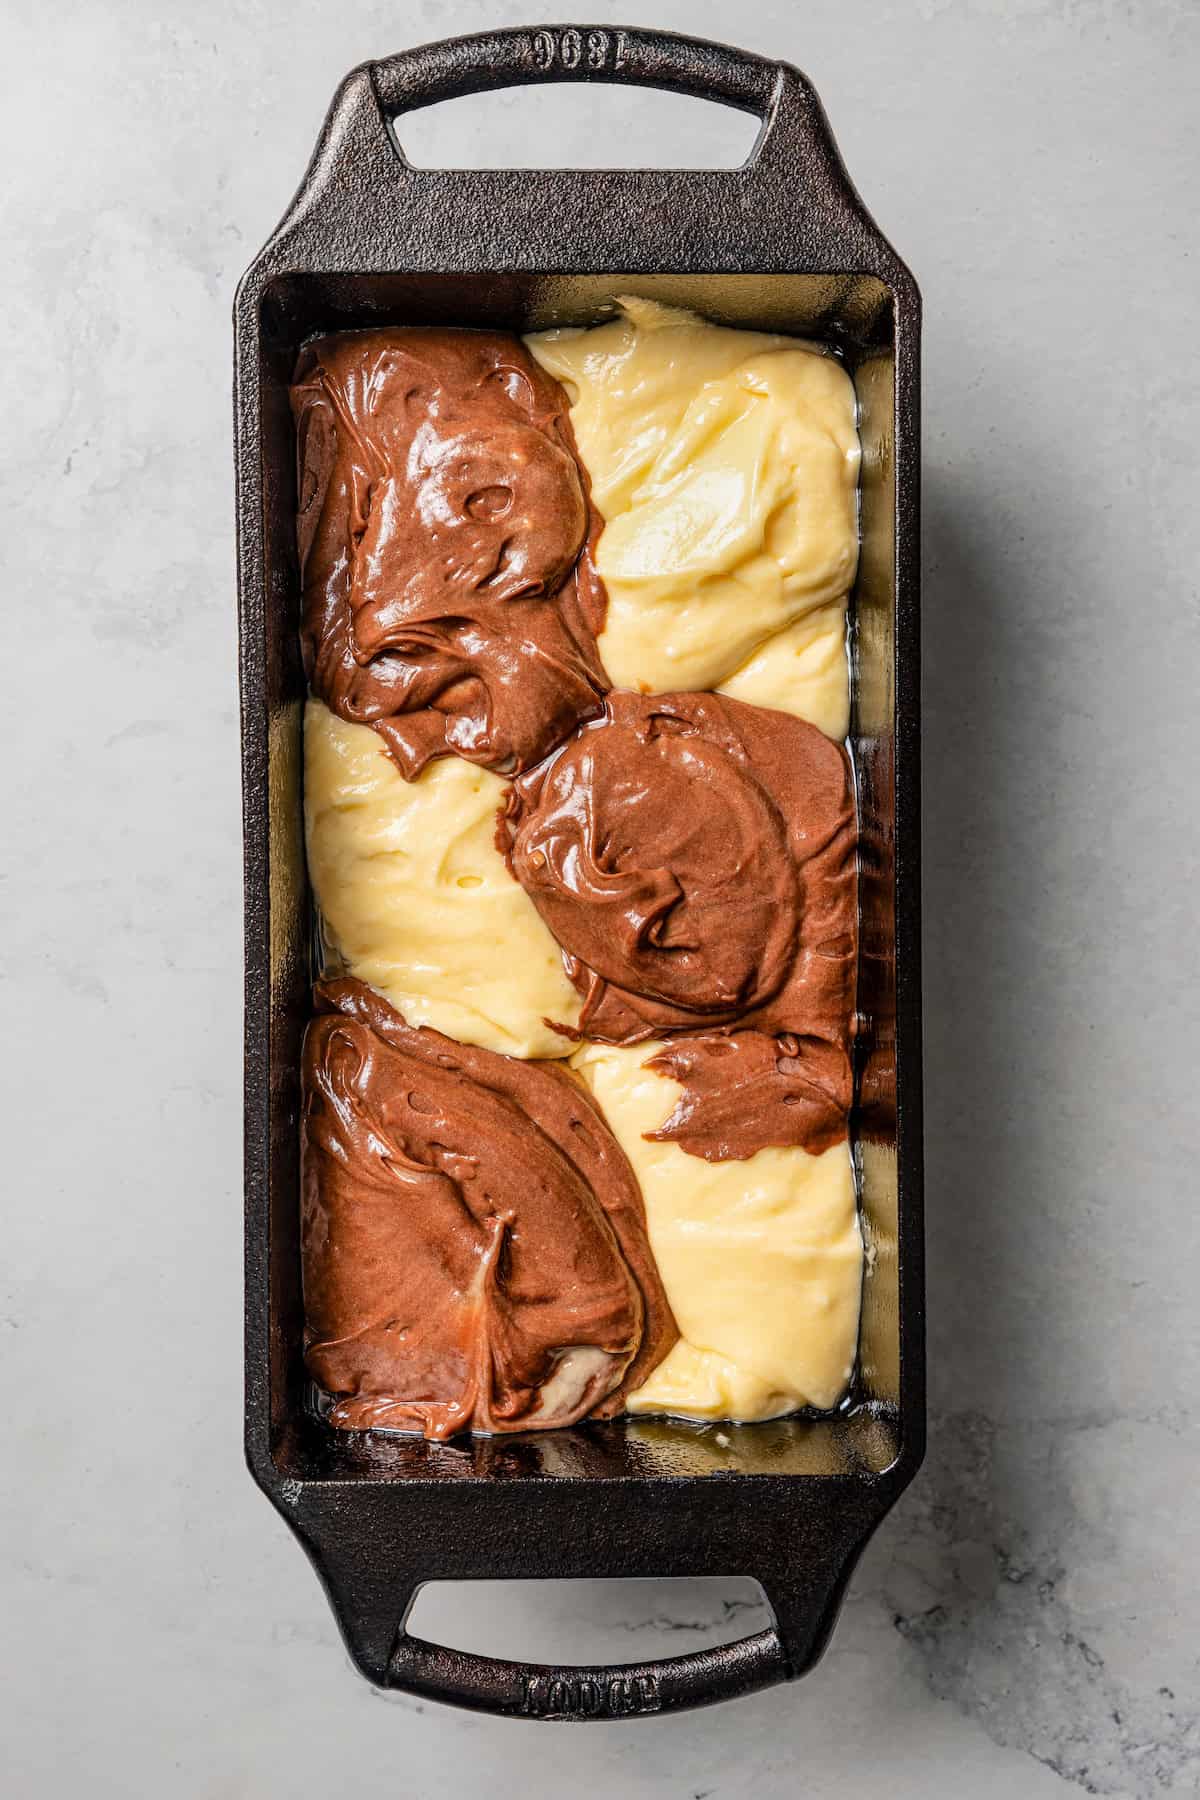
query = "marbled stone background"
{"x": 1026, "y": 1625}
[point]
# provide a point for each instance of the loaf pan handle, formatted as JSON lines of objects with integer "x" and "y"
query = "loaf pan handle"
{"x": 600, "y": 1691}
{"x": 804, "y": 1588}
{"x": 805, "y": 1597}
{"x": 657, "y": 59}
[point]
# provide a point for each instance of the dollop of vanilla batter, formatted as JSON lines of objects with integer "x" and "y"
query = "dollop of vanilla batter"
{"x": 761, "y": 1259}
{"x": 416, "y": 900}
{"x": 725, "y": 465}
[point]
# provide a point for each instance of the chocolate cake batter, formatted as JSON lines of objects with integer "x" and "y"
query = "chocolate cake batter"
{"x": 748, "y": 1090}
{"x": 695, "y": 858}
{"x": 446, "y": 538}
{"x": 473, "y": 1238}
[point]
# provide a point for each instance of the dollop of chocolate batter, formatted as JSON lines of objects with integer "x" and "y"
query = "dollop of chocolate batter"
{"x": 695, "y": 857}
{"x": 473, "y": 1239}
{"x": 446, "y": 541}
{"x": 747, "y": 1090}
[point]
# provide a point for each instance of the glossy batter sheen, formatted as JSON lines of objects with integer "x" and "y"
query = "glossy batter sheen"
{"x": 472, "y": 1238}
{"x": 695, "y": 858}
{"x": 493, "y": 1242}
{"x": 416, "y": 898}
{"x": 761, "y": 1260}
{"x": 725, "y": 465}
{"x": 444, "y": 524}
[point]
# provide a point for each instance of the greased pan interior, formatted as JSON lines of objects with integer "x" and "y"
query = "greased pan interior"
{"x": 781, "y": 244}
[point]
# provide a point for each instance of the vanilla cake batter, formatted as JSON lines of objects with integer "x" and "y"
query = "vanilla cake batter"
{"x": 725, "y": 466}
{"x": 416, "y": 899}
{"x": 761, "y": 1260}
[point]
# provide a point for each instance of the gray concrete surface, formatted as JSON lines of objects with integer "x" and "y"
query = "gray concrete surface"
{"x": 1027, "y": 1623}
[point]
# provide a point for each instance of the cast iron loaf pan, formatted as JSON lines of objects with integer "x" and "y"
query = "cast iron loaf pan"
{"x": 781, "y": 244}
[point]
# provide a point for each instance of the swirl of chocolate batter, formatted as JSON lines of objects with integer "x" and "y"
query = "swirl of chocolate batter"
{"x": 446, "y": 537}
{"x": 473, "y": 1239}
{"x": 695, "y": 859}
